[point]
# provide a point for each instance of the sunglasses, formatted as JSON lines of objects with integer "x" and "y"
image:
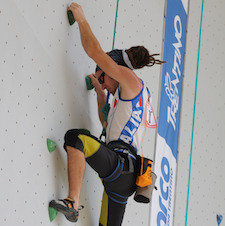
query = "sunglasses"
{"x": 101, "y": 79}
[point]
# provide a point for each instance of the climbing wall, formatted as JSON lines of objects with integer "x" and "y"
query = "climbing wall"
{"x": 43, "y": 94}
{"x": 206, "y": 188}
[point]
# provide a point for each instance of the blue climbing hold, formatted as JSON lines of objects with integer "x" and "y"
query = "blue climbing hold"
{"x": 219, "y": 218}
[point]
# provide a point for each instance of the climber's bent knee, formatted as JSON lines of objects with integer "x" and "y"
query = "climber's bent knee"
{"x": 82, "y": 141}
{"x": 71, "y": 139}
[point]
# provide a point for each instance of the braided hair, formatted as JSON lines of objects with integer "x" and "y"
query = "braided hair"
{"x": 140, "y": 57}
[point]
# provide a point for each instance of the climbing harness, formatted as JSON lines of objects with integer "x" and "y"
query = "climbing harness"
{"x": 124, "y": 152}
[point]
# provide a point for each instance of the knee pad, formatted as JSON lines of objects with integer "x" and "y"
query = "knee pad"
{"x": 71, "y": 139}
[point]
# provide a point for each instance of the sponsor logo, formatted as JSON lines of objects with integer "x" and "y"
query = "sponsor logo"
{"x": 165, "y": 197}
{"x": 171, "y": 85}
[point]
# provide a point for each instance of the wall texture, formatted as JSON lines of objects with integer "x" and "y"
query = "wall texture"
{"x": 43, "y": 94}
{"x": 207, "y": 197}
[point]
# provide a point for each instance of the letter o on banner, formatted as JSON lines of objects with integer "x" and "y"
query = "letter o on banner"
{"x": 161, "y": 217}
{"x": 165, "y": 163}
{"x": 178, "y": 33}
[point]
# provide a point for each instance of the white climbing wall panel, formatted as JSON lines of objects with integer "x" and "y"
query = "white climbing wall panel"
{"x": 43, "y": 94}
{"x": 207, "y": 184}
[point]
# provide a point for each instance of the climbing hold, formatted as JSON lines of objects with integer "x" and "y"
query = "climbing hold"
{"x": 89, "y": 83}
{"x": 52, "y": 213}
{"x": 86, "y": 131}
{"x": 219, "y": 218}
{"x": 51, "y": 145}
{"x": 70, "y": 17}
{"x": 105, "y": 110}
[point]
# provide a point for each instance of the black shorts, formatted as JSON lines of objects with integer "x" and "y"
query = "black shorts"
{"x": 106, "y": 162}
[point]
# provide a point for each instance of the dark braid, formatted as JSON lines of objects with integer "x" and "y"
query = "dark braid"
{"x": 140, "y": 57}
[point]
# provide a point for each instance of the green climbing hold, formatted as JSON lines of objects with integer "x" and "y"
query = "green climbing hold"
{"x": 86, "y": 131}
{"x": 51, "y": 145}
{"x": 105, "y": 111}
{"x": 52, "y": 213}
{"x": 70, "y": 17}
{"x": 89, "y": 83}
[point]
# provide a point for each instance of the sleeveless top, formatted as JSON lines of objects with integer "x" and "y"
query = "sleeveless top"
{"x": 127, "y": 118}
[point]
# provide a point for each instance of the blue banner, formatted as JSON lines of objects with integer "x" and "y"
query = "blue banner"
{"x": 171, "y": 87}
{"x": 169, "y": 112}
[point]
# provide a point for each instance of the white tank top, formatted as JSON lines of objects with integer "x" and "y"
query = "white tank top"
{"x": 127, "y": 118}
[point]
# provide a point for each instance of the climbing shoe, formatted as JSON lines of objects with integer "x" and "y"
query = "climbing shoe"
{"x": 65, "y": 206}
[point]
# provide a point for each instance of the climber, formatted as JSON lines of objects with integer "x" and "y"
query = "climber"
{"x": 125, "y": 125}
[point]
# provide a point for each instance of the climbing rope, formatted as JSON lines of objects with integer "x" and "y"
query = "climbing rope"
{"x": 192, "y": 138}
{"x": 106, "y": 108}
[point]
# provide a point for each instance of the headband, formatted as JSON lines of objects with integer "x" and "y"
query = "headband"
{"x": 119, "y": 60}
{"x": 126, "y": 59}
